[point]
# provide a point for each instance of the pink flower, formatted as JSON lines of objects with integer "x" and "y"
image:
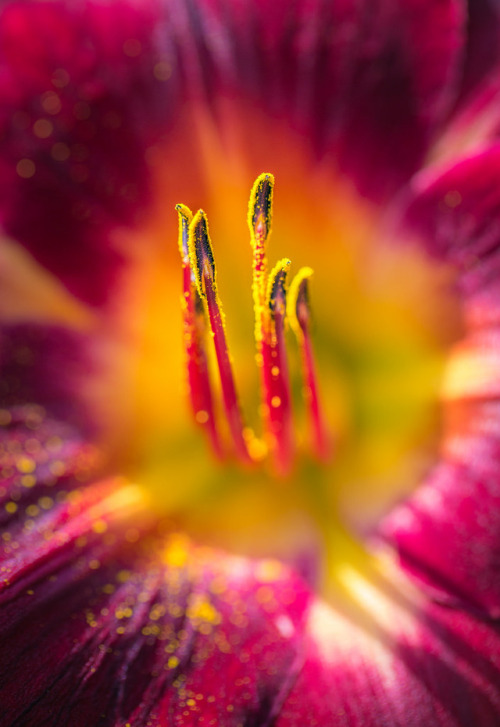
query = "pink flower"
{"x": 381, "y": 119}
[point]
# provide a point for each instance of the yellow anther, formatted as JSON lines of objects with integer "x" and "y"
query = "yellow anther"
{"x": 260, "y": 207}
{"x": 201, "y": 253}
{"x": 276, "y": 292}
{"x": 260, "y": 212}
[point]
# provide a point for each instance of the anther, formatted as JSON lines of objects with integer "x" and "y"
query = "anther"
{"x": 203, "y": 265}
{"x": 299, "y": 316}
{"x": 260, "y": 208}
{"x": 194, "y": 334}
{"x": 275, "y": 371}
{"x": 273, "y": 307}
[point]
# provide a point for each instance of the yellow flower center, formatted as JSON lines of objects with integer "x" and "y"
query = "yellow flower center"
{"x": 384, "y": 317}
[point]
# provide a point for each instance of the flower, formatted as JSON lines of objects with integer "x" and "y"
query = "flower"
{"x": 376, "y": 117}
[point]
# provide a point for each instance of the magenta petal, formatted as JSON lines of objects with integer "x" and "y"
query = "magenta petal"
{"x": 366, "y": 81}
{"x": 433, "y": 666}
{"x": 457, "y": 209}
{"x": 50, "y": 365}
{"x": 402, "y": 82}
{"x": 79, "y": 103}
{"x": 483, "y": 49}
{"x": 115, "y": 622}
{"x": 448, "y": 533}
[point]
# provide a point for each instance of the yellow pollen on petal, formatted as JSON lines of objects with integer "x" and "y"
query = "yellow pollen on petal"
{"x": 26, "y": 168}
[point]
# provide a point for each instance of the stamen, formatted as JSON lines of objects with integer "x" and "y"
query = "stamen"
{"x": 299, "y": 316}
{"x": 269, "y": 310}
{"x": 203, "y": 266}
{"x": 275, "y": 371}
{"x": 259, "y": 221}
{"x": 194, "y": 328}
{"x": 272, "y": 309}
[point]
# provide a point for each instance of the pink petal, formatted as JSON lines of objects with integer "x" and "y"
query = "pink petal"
{"x": 367, "y": 82}
{"x": 419, "y": 667}
{"x": 51, "y": 365}
{"x": 448, "y": 533}
{"x": 79, "y": 103}
{"x": 86, "y": 89}
{"x": 113, "y": 620}
{"x": 482, "y": 46}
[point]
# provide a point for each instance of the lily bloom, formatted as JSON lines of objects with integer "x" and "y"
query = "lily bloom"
{"x": 336, "y": 561}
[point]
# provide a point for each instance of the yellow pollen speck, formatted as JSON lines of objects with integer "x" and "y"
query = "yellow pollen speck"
{"x": 54, "y": 443}
{"x": 25, "y": 168}
{"x": 43, "y": 128}
{"x": 269, "y": 570}
{"x": 173, "y": 662}
{"x": 177, "y": 552}
{"x": 5, "y": 417}
{"x": 94, "y": 564}
{"x": 11, "y": 507}
{"x": 100, "y": 526}
{"x": 51, "y": 103}
{"x": 46, "y": 503}
{"x": 201, "y": 417}
{"x": 32, "y": 510}
{"x": 275, "y": 402}
{"x": 257, "y": 449}
{"x": 123, "y": 576}
{"x": 132, "y": 535}
{"x": 57, "y": 468}
{"x": 60, "y": 152}
{"x": 275, "y": 370}
{"x": 264, "y": 594}
{"x": 202, "y": 610}
{"x": 162, "y": 71}
{"x": 25, "y": 465}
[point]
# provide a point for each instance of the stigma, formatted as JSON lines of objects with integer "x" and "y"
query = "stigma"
{"x": 278, "y": 308}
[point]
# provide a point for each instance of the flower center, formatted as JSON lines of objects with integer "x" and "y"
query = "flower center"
{"x": 201, "y": 303}
{"x": 384, "y": 316}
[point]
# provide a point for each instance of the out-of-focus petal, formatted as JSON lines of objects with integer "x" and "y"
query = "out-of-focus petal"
{"x": 448, "y": 533}
{"x": 104, "y": 620}
{"x": 82, "y": 87}
{"x": 116, "y": 622}
{"x": 483, "y": 23}
{"x": 365, "y": 81}
{"x": 81, "y": 83}
{"x": 52, "y": 366}
{"x": 412, "y": 666}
